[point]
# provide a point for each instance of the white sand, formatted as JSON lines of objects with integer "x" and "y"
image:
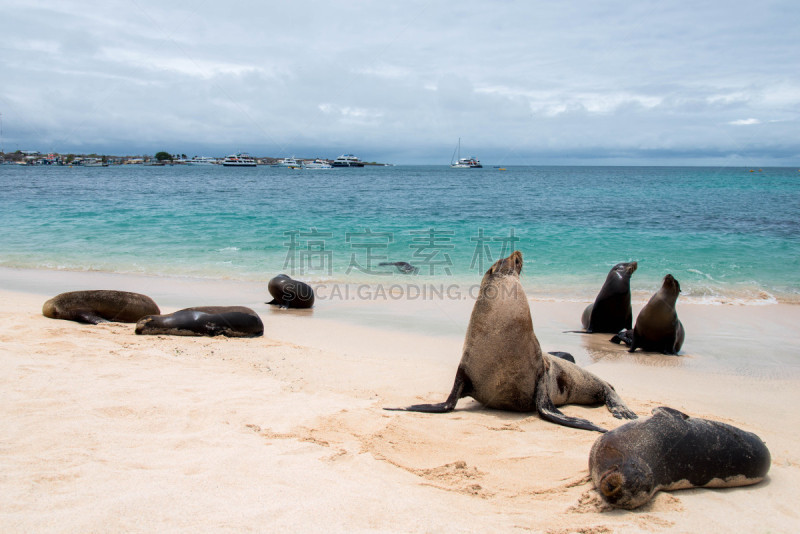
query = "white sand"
{"x": 103, "y": 430}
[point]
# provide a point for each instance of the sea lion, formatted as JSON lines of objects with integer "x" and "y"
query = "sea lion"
{"x": 611, "y": 310}
{"x": 658, "y": 328}
{"x": 100, "y": 306}
{"x": 288, "y": 293}
{"x": 402, "y": 266}
{"x": 670, "y": 451}
{"x": 502, "y": 365}
{"x": 230, "y": 321}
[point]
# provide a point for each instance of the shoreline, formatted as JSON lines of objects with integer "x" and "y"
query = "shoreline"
{"x": 108, "y": 430}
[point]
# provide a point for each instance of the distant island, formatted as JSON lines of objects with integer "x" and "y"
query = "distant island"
{"x": 33, "y": 157}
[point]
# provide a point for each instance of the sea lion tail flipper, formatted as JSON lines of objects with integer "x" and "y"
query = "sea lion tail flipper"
{"x": 548, "y": 411}
{"x": 460, "y": 386}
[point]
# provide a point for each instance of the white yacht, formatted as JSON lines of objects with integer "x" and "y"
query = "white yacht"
{"x": 317, "y": 164}
{"x": 464, "y": 163}
{"x": 202, "y": 160}
{"x": 291, "y": 163}
{"x": 347, "y": 160}
{"x": 240, "y": 159}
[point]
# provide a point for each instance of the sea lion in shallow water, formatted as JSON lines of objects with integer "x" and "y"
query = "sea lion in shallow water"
{"x": 502, "y": 365}
{"x": 658, "y": 328}
{"x": 611, "y": 310}
{"x": 402, "y": 266}
{"x": 100, "y": 306}
{"x": 670, "y": 451}
{"x": 289, "y": 293}
{"x": 230, "y": 321}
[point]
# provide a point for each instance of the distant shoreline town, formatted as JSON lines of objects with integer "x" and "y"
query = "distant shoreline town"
{"x": 33, "y": 157}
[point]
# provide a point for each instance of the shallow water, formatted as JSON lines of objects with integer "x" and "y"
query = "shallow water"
{"x": 727, "y": 234}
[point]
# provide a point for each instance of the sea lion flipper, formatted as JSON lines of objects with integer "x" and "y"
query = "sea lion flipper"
{"x": 548, "y": 411}
{"x": 87, "y": 316}
{"x": 273, "y": 301}
{"x": 616, "y": 406}
{"x": 461, "y": 385}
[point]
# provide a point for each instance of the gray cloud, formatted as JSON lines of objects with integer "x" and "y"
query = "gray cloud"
{"x": 520, "y": 82}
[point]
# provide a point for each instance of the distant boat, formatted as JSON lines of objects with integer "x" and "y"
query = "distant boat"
{"x": 94, "y": 162}
{"x": 347, "y": 160}
{"x": 202, "y": 160}
{"x": 239, "y": 159}
{"x": 317, "y": 164}
{"x": 291, "y": 163}
{"x": 457, "y": 162}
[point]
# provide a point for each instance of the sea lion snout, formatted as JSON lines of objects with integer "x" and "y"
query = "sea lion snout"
{"x": 670, "y": 282}
{"x": 632, "y": 266}
{"x": 611, "y": 482}
{"x": 510, "y": 265}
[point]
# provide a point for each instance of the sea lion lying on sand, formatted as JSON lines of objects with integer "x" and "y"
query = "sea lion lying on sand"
{"x": 100, "y": 306}
{"x": 670, "y": 451}
{"x": 502, "y": 365}
{"x": 230, "y": 321}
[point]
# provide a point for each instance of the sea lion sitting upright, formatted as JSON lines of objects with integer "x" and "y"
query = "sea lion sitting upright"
{"x": 100, "y": 306}
{"x": 670, "y": 451}
{"x": 658, "y": 328}
{"x": 611, "y": 310}
{"x": 502, "y": 365}
{"x": 230, "y": 321}
{"x": 288, "y": 293}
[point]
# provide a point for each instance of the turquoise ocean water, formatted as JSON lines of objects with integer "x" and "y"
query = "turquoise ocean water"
{"x": 727, "y": 234}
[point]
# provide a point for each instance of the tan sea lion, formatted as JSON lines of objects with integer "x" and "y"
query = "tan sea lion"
{"x": 658, "y": 328}
{"x": 99, "y": 306}
{"x": 670, "y": 451}
{"x": 502, "y": 365}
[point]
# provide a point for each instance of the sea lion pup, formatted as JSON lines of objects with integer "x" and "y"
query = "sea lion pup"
{"x": 502, "y": 365}
{"x": 402, "y": 266}
{"x": 658, "y": 328}
{"x": 288, "y": 293}
{"x": 611, "y": 310}
{"x": 670, "y": 451}
{"x": 100, "y": 306}
{"x": 230, "y": 321}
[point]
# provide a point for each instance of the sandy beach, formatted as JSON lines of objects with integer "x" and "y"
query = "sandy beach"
{"x": 106, "y": 431}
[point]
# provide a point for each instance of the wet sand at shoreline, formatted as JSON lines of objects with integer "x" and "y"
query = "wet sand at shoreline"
{"x": 106, "y": 430}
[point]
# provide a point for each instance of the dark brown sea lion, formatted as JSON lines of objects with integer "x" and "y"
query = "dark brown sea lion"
{"x": 502, "y": 365}
{"x": 670, "y": 451}
{"x": 100, "y": 306}
{"x": 402, "y": 266}
{"x": 289, "y": 293}
{"x": 611, "y": 310}
{"x": 658, "y": 328}
{"x": 230, "y": 321}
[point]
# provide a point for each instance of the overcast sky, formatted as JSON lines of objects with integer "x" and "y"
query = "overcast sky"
{"x": 521, "y": 82}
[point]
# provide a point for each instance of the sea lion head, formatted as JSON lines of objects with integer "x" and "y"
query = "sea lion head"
{"x": 671, "y": 285}
{"x": 50, "y": 309}
{"x": 628, "y": 484}
{"x": 143, "y": 323}
{"x": 625, "y": 269}
{"x": 511, "y": 265}
{"x": 503, "y": 273}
